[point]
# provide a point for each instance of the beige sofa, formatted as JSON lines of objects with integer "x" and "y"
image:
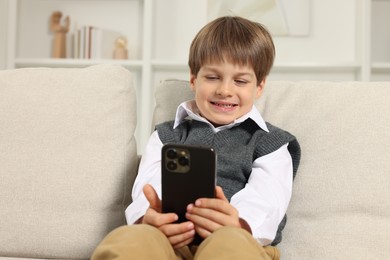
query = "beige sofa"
{"x": 68, "y": 159}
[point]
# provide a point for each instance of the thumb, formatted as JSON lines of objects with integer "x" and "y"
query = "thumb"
{"x": 219, "y": 193}
{"x": 152, "y": 197}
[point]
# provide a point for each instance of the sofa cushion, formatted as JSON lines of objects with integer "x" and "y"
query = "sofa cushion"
{"x": 168, "y": 96}
{"x": 67, "y": 158}
{"x": 340, "y": 204}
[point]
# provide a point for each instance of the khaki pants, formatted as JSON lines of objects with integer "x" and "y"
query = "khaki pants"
{"x": 147, "y": 242}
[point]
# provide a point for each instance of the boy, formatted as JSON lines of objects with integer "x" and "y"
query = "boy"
{"x": 229, "y": 61}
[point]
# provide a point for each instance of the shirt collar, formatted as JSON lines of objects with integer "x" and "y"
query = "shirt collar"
{"x": 190, "y": 109}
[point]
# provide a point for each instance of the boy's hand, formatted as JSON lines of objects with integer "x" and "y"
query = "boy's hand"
{"x": 210, "y": 214}
{"x": 178, "y": 235}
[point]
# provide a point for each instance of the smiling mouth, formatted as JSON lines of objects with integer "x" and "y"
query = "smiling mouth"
{"x": 224, "y": 105}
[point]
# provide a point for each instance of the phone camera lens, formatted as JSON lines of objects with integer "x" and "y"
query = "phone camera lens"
{"x": 183, "y": 161}
{"x": 171, "y": 154}
{"x": 172, "y": 165}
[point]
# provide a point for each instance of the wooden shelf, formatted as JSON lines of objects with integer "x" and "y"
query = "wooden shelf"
{"x": 317, "y": 67}
{"x": 381, "y": 67}
{"x": 291, "y": 66}
{"x": 65, "y": 63}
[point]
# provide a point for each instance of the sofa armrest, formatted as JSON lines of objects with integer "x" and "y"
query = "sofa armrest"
{"x": 68, "y": 158}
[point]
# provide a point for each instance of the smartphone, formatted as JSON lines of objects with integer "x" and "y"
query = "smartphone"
{"x": 188, "y": 173}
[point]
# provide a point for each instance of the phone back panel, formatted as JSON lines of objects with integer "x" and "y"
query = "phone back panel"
{"x": 186, "y": 176}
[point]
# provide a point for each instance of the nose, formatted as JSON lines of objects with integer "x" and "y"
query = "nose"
{"x": 224, "y": 89}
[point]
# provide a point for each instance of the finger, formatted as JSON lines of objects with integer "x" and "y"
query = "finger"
{"x": 175, "y": 229}
{"x": 220, "y": 203}
{"x": 217, "y": 204}
{"x": 182, "y": 239}
{"x": 156, "y": 219}
{"x": 153, "y": 215}
{"x": 220, "y": 194}
{"x": 183, "y": 243}
{"x": 152, "y": 197}
{"x": 179, "y": 234}
{"x": 212, "y": 219}
{"x": 207, "y": 221}
{"x": 203, "y": 233}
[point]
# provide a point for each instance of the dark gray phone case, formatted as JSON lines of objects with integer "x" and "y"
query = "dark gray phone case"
{"x": 188, "y": 182}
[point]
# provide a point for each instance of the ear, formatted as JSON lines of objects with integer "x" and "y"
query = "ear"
{"x": 192, "y": 82}
{"x": 259, "y": 88}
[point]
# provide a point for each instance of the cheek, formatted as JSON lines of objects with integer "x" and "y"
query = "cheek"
{"x": 248, "y": 95}
{"x": 255, "y": 94}
{"x": 200, "y": 99}
{"x": 201, "y": 93}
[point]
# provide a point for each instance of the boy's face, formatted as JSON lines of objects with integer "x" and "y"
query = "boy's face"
{"x": 225, "y": 91}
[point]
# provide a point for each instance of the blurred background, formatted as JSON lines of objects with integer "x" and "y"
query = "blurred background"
{"x": 328, "y": 40}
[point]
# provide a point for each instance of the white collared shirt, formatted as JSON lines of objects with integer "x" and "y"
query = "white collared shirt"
{"x": 262, "y": 203}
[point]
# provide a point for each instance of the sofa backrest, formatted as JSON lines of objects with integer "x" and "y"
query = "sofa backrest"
{"x": 67, "y": 158}
{"x": 340, "y": 204}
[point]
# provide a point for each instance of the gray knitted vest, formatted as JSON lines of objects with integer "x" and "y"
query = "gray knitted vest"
{"x": 236, "y": 150}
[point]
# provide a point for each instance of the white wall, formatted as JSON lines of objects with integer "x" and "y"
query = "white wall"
{"x": 3, "y": 32}
{"x": 332, "y": 38}
{"x": 381, "y": 37}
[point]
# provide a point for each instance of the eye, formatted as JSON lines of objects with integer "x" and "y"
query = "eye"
{"x": 212, "y": 77}
{"x": 240, "y": 82}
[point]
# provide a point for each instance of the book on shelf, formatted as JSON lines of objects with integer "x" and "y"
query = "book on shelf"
{"x": 90, "y": 42}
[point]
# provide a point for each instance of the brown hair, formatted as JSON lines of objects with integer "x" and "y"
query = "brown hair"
{"x": 234, "y": 39}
